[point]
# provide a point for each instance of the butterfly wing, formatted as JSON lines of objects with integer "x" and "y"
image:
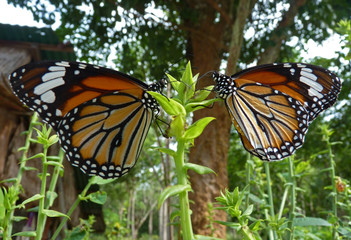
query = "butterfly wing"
{"x": 54, "y": 88}
{"x": 315, "y": 87}
{"x": 101, "y": 116}
{"x": 271, "y": 124}
{"x": 272, "y": 105}
{"x": 105, "y": 135}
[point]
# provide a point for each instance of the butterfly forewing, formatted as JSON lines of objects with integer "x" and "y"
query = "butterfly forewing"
{"x": 55, "y": 88}
{"x": 315, "y": 87}
{"x": 101, "y": 116}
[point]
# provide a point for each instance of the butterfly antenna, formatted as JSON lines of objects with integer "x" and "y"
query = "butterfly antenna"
{"x": 159, "y": 127}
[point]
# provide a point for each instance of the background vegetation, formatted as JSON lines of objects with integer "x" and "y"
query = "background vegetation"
{"x": 148, "y": 38}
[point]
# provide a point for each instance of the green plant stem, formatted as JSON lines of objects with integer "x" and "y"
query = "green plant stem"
{"x": 41, "y": 214}
{"x": 10, "y": 214}
{"x": 55, "y": 175}
{"x": 334, "y": 194}
{"x": 270, "y": 195}
{"x": 292, "y": 198}
{"x": 185, "y": 218}
{"x": 248, "y": 180}
{"x": 74, "y": 206}
{"x": 282, "y": 205}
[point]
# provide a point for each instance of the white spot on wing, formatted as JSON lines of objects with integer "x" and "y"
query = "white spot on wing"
{"x": 48, "y": 97}
{"x": 52, "y": 75}
{"x": 309, "y": 75}
{"x": 46, "y": 86}
{"x": 311, "y": 83}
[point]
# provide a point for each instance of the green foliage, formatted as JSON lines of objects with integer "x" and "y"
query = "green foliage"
{"x": 344, "y": 28}
{"x": 9, "y": 196}
{"x": 83, "y": 230}
{"x": 232, "y": 204}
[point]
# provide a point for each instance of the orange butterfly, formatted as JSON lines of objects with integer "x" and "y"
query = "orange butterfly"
{"x": 272, "y": 105}
{"x": 101, "y": 116}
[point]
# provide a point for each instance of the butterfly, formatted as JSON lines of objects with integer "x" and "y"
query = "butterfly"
{"x": 101, "y": 116}
{"x": 272, "y": 105}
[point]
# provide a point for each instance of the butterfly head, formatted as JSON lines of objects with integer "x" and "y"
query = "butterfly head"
{"x": 158, "y": 86}
{"x": 224, "y": 84}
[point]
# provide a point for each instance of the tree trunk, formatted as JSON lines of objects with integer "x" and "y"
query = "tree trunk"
{"x": 132, "y": 214}
{"x": 209, "y": 42}
{"x": 206, "y": 49}
{"x": 163, "y": 219}
{"x": 150, "y": 224}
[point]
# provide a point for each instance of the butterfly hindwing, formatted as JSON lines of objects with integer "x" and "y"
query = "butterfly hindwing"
{"x": 104, "y": 136}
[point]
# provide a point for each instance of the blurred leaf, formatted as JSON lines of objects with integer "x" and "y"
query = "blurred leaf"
{"x": 197, "y": 128}
{"x": 198, "y": 168}
{"x": 311, "y": 221}
{"x": 171, "y": 191}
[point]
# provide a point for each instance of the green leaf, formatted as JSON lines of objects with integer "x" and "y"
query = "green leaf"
{"x": 189, "y": 88}
{"x": 346, "y": 231}
{"x": 53, "y": 213}
{"x": 174, "y": 82}
{"x": 185, "y": 82}
{"x": 167, "y": 151}
{"x": 31, "y": 199}
{"x": 170, "y": 106}
{"x": 8, "y": 180}
{"x": 236, "y": 226}
{"x": 196, "y": 128}
{"x": 98, "y": 197}
{"x": 235, "y": 197}
{"x": 22, "y": 149}
{"x": 311, "y": 221}
{"x": 19, "y": 218}
{"x": 100, "y": 181}
{"x": 2, "y": 207}
{"x": 198, "y": 168}
{"x": 53, "y": 158}
{"x": 55, "y": 164}
{"x": 39, "y": 155}
{"x": 27, "y": 168}
{"x": 248, "y": 211}
{"x": 176, "y": 127}
{"x": 171, "y": 191}
{"x": 50, "y": 196}
{"x": 52, "y": 140}
{"x": 187, "y": 77}
{"x": 25, "y": 234}
{"x": 255, "y": 226}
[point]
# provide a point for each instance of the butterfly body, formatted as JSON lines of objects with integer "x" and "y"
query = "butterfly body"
{"x": 101, "y": 116}
{"x": 272, "y": 105}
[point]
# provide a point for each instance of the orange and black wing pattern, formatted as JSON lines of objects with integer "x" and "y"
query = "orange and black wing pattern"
{"x": 101, "y": 116}
{"x": 272, "y": 105}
